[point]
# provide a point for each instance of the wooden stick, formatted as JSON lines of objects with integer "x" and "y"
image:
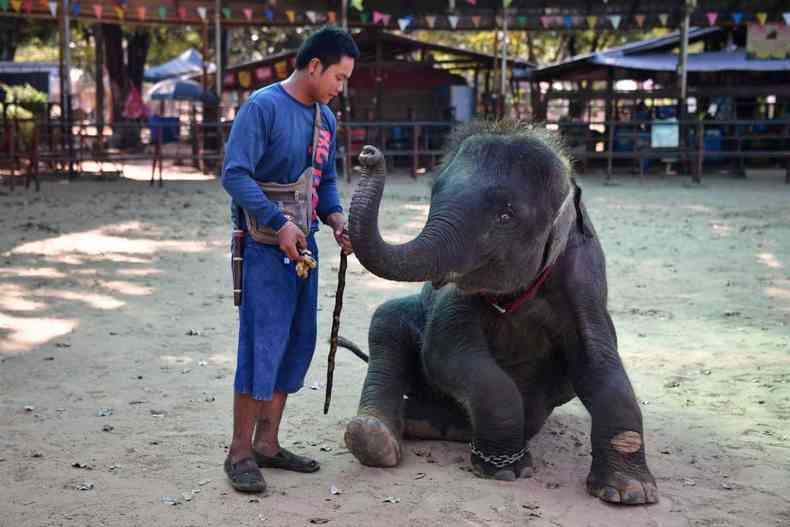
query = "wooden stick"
{"x": 330, "y": 369}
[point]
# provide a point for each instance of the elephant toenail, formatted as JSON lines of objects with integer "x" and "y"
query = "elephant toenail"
{"x": 610, "y": 494}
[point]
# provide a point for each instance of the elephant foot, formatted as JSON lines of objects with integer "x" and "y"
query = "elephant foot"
{"x": 372, "y": 442}
{"x": 492, "y": 467}
{"x": 620, "y": 474}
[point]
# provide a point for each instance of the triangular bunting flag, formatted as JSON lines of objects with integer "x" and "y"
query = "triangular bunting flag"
{"x": 182, "y": 12}
{"x": 97, "y": 10}
{"x": 386, "y": 19}
{"x": 453, "y": 21}
{"x": 567, "y": 21}
{"x": 247, "y": 13}
{"x": 269, "y": 14}
{"x": 521, "y": 20}
{"x": 451, "y": 5}
{"x": 331, "y": 16}
{"x": 762, "y": 17}
{"x": 75, "y": 9}
{"x": 712, "y": 16}
{"x": 44, "y": 3}
{"x": 226, "y": 12}
{"x": 364, "y": 17}
{"x": 786, "y": 16}
{"x": 27, "y": 6}
{"x": 53, "y": 8}
{"x": 591, "y": 21}
{"x": 506, "y": 3}
{"x": 476, "y": 20}
{"x": 311, "y": 16}
{"x": 640, "y": 20}
{"x": 376, "y": 17}
{"x": 202, "y": 13}
{"x": 431, "y": 21}
{"x": 545, "y": 21}
{"x": 615, "y": 20}
{"x": 471, "y": 2}
{"x": 499, "y": 21}
{"x": 4, "y": 5}
{"x": 119, "y": 12}
{"x": 162, "y": 12}
{"x": 664, "y": 18}
{"x": 16, "y": 5}
{"x": 404, "y": 22}
{"x": 357, "y": 4}
{"x": 291, "y": 14}
{"x": 141, "y": 12}
{"x": 736, "y": 17}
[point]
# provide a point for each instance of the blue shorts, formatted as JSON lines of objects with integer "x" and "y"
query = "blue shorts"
{"x": 277, "y": 322}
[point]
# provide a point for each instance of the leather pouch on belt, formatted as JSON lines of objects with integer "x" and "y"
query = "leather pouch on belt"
{"x": 295, "y": 202}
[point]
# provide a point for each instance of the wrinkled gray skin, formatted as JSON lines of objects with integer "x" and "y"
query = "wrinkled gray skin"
{"x": 445, "y": 365}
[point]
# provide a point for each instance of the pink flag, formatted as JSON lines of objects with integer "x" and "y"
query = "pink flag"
{"x": 640, "y": 20}
{"x": 545, "y": 21}
{"x": 712, "y": 16}
{"x": 141, "y": 12}
{"x": 97, "y": 9}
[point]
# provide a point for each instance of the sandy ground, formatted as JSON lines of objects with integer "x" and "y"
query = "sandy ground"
{"x": 117, "y": 350}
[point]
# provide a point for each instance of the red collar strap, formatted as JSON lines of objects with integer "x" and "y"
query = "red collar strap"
{"x": 529, "y": 294}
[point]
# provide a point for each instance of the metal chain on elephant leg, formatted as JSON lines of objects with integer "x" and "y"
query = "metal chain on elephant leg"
{"x": 499, "y": 461}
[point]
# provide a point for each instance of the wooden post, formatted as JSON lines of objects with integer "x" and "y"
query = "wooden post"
{"x": 379, "y": 86}
{"x": 610, "y": 151}
{"x": 700, "y": 149}
{"x": 346, "y": 100}
{"x": 504, "y": 83}
{"x": 14, "y": 160}
{"x": 98, "y": 40}
{"x": 415, "y": 165}
{"x": 688, "y": 6}
{"x": 609, "y": 113}
{"x": 65, "y": 79}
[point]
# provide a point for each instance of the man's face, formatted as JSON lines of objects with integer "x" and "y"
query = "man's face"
{"x": 328, "y": 82}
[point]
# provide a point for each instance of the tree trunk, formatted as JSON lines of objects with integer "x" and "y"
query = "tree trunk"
{"x": 9, "y": 37}
{"x": 124, "y": 72}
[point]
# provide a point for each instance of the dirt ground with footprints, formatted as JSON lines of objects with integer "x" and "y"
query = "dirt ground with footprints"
{"x": 117, "y": 352}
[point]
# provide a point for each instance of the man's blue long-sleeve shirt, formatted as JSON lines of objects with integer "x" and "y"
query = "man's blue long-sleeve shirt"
{"x": 271, "y": 141}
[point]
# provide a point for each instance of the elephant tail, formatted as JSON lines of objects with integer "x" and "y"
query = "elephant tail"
{"x": 345, "y": 343}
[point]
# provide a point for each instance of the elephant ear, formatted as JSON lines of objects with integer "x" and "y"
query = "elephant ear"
{"x": 561, "y": 227}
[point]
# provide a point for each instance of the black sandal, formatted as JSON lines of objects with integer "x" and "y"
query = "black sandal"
{"x": 287, "y": 460}
{"x": 244, "y": 475}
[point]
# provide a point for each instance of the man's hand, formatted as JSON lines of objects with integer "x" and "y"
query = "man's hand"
{"x": 337, "y": 220}
{"x": 291, "y": 239}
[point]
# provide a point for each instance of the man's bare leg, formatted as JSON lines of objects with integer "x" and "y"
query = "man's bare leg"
{"x": 270, "y": 414}
{"x": 245, "y": 413}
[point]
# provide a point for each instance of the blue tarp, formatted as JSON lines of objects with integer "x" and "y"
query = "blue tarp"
{"x": 181, "y": 90}
{"x": 189, "y": 62}
{"x": 698, "y": 62}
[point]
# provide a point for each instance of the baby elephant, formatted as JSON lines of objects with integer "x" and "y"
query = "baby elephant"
{"x": 511, "y": 323}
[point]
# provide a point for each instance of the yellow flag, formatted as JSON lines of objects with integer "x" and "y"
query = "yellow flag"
{"x": 591, "y": 20}
{"x": 762, "y": 17}
{"x": 291, "y": 15}
{"x": 16, "y": 4}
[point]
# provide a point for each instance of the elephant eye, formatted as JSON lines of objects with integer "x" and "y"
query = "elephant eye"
{"x": 505, "y": 215}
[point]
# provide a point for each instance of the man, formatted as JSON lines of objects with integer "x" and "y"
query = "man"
{"x": 271, "y": 141}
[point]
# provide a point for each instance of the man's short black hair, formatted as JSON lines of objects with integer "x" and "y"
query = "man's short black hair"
{"x": 329, "y": 44}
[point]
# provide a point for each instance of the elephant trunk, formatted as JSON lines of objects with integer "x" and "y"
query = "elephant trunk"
{"x": 427, "y": 257}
